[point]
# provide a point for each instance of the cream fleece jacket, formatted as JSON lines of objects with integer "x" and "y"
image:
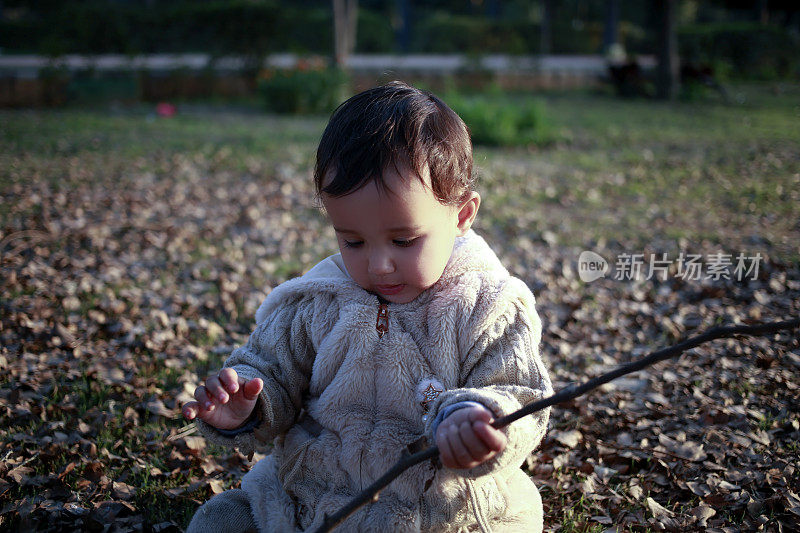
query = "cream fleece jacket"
{"x": 342, "y": 401}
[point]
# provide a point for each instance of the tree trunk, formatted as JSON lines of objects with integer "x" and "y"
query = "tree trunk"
{"x": 345, "y": 19}
{"x": 611, "y": 28}
{"x": 403, "y": 30}
{"x": 493, "y": 9}
{"x": 763, "y": 12}
{"x": 548, "y": 16}
{"x": 667, "y": 82}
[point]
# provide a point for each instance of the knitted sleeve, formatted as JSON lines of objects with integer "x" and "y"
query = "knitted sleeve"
{"x": 281, "y": 352}
{"x": 502, "y": 370}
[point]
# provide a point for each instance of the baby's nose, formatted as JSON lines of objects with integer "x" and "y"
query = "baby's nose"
{"x": 381, "y": 263}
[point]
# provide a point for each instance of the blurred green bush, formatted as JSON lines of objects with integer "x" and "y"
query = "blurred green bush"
{"x": 255, "y": 28}
{"x": 217, "y": 27}
{"x": 497, "y": 119}
{"x": 311, "y": 88}
{"x": 741, "y": 50}
{"x": 445, "y": 33}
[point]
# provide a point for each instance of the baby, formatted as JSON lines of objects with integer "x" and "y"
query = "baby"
{"x": 413, "y": 334}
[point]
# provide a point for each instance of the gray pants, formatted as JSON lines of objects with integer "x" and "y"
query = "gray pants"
{"x": 228, "y": 512}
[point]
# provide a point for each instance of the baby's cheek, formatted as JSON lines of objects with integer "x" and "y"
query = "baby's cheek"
{"x": 429, "y": 268}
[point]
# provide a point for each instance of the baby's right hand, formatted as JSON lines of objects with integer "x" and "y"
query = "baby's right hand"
{"x": 225, "y": 401}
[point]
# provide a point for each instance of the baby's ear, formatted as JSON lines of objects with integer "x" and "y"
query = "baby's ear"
{"x": 467, "y": 212}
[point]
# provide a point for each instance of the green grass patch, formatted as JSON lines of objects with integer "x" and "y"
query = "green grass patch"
{"x": 138, "y": 132}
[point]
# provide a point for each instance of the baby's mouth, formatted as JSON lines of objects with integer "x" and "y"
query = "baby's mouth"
{"x": 389, "y": 290}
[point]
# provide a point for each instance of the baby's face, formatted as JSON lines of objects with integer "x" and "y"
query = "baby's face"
{"x": 395, "y": 243}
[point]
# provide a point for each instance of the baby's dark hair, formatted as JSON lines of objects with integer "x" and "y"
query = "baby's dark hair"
{"x": 400, "y": 125}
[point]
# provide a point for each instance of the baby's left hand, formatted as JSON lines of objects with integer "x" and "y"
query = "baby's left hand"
{"x": 465, "y": 438}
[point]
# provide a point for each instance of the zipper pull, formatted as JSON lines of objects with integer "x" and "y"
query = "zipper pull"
{"x": 382, "y": 324}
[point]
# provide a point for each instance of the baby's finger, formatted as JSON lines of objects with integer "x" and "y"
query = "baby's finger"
{"x": 478, "y": 451}
{"x": 494, "y": 439}
{"x": 229, "y": 380}
{"x": 203, "y": 399}
{"x": 190, "y": 410}
{"x": 215, "y": 389}
{"x": 445, "y": 453}
{"x": 252, "y": 389}
{"x": 460, "y": 452}
{"x": 477, "y": 414}
{"x": 458, "y": 417}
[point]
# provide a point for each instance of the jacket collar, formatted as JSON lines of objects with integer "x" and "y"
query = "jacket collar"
{"x": 470, "y": 254}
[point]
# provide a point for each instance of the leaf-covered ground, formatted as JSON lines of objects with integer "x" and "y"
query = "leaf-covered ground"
{"x": 135, "y": 252}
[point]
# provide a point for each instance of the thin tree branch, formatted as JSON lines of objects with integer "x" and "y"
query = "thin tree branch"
{"x": 372, "y": 492}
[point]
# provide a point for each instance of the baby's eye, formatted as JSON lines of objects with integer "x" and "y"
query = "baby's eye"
{"x": 353, "y": 244}
{"x": 403, "y": 243}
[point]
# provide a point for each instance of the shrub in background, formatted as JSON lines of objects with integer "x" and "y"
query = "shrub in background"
{"x": 311, "y": 88}
{"x": 218, "y": 27}
{"x": 497, "y": 119}
{"x": 90, "y": 87}
{"x": 374, "y": 34}
{"x": 258, "y": 27}
{"x": 444, "y": 33}
{"x": 743, "y": 50}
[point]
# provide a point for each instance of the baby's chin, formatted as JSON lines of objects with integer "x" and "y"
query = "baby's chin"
{"x": 405, "y": 295}
{"x": 402, "y": 299}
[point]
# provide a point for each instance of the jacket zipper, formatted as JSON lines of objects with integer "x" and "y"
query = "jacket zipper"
{"x": 382, "y": 324}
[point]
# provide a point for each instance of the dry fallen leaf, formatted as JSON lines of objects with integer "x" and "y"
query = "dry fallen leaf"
{"x": 194, "y": 442}
{"x": 687, "y": 450}
{"x": 4, "y": 486}
{"x": 657, "y": 510}
{"x": 703, "y": 513}
{"x": 700, "y": 489}
{"x": 604, "y": 474}
{"x": 157, "y": 407}
{"x": 122, "y": 491}
{"x": 570, "y": 438}
{"x": 20, "y": 473}
{"x": 635, "y": 491}
{"x": 217, "y": 486}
